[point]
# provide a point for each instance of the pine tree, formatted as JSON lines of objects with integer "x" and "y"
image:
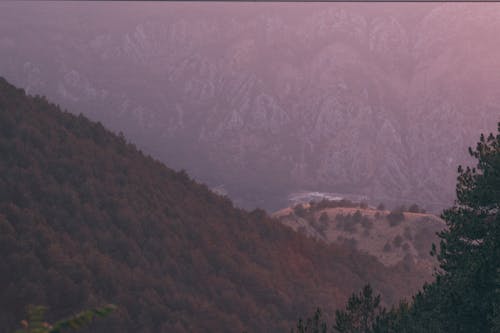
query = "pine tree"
{"x": 312, "y": 325}
{"x": 469, "y": 252}
{"x": 360, "y": 312}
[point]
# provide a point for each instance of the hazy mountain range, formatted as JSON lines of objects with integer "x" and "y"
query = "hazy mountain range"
{"x": 266, "y": 99}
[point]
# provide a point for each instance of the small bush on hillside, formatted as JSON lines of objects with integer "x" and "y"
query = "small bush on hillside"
{"x": 406, "y": 247}
{"x": 299, "y": 210}
{"x": 350, "y": 227}
{"x": 312, "y": 204}
{"x": 416, "y": 209}
{"x": 339, "y": 225}
{"x": 357, "y": 216}
{"x": 397, "y": 241}
{"x": 351, "y": 243}
{"x": 366, "y": 223}
{"x": 395, "y": 217}
{"x": 326, "y": 204}
{"x": 347, "y": 203}
{"x": 321, "y": 224}
{"x": 407, "y": 233}
{"x": 324, "y": 218}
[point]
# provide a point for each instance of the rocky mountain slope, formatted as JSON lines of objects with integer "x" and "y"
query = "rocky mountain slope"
{"x": 373, "y": 99}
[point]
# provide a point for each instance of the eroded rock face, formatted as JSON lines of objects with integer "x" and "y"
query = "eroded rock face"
{"x": 374, "y": 99}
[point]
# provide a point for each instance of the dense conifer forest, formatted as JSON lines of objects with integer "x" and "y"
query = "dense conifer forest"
{"x": 87, "y": 219}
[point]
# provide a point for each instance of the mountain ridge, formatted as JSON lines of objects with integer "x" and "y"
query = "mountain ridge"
{"x": 397, "y": 237}
{"x": 87, "y": 218}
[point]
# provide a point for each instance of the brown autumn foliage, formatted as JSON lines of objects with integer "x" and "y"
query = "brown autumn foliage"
{"x": 86, "y": 218}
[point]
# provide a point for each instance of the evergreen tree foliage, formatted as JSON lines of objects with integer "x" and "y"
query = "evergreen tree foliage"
{"x": 469, "y": 252}
{"x": 312, "y": 325}
{"x": 359, "y": 314}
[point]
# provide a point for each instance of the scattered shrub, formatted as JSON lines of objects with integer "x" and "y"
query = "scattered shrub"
{"x": 395, "y": 217}
{"x": 366, "y": 223}
{"x": 351, "y": 243}
{"x": 356, "y": 217}
{"x": 299, "y": 210}
{"x": 325, "y": 203}
{"x": 387, "y": 247}
{"x": 312, "y": 204}
{"x": 322, "y": 224}
{"x": 407, "y": 233}
{"x": 350, "y": 227}
{"x": 397, "y": 241}
{"x": 416, "y": 209}
{"x": 407, "y": 262}
{"x": 346, "y": 203}
{"x": 339, "y": 225}
{"x": 324, "y": 218}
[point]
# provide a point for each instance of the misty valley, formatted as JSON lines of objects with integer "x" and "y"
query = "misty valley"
{"x": 249, "y": 167}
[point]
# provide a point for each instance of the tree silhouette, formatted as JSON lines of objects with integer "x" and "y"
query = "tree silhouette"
{"x": 469, "y": 251}
{"x": 359, "y": 314}
{"x": 312, "y": 325}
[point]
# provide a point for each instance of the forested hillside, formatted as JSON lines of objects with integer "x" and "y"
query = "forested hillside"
{"x": 86, "y": 218}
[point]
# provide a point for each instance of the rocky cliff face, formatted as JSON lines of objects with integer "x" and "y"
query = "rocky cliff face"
{"x": 379, "y": 100}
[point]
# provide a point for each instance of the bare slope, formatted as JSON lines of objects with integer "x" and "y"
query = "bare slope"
{"x": 395, "y": 238}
